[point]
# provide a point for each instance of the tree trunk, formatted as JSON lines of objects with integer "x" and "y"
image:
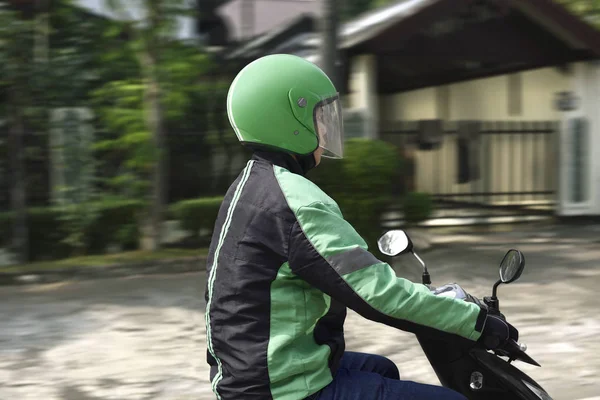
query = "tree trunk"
{"x": 223, "y": 179}
{"x": 148, "y": 61}
{"x": 155, "y": 122}
{"x": 329, "y": 27}
{"x": 20, "y": 237}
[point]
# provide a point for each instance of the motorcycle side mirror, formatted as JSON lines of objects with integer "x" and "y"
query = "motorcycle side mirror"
{"x": 396, "y": 242}
{"x": 512, "y": 266}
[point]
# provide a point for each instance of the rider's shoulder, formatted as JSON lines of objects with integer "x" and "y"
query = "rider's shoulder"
{"x": 301, "y": 192}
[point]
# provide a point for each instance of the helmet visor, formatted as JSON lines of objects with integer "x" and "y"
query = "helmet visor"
{"x": 329, "y": 126}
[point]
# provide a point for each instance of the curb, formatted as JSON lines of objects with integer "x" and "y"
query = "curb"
{"x": 168, "y": 267}
{"x": 172, "y": 266}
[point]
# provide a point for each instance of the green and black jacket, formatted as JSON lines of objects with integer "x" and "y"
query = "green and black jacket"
{"x": 282, "y": 268}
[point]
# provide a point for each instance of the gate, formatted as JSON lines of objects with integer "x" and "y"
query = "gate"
{"x": 505, "y": 166}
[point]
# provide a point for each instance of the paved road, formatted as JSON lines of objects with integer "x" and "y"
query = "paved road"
{"x": 143, "y": 338}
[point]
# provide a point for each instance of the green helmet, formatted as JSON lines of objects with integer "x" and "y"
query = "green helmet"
{"x": 286, "y": 103}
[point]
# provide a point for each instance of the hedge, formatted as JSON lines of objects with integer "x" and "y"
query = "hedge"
{"x": 117, "y": 222}
{"x": 417, "y": 207}
{"x": 196, "y": 215}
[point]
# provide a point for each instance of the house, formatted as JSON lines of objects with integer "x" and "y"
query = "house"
{"x": 495, "y": 102}
{"x": 246, "y": 19}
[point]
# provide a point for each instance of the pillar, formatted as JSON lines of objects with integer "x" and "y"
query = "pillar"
{"x": 579, "y": 145}
{"x": 363, "y": 97}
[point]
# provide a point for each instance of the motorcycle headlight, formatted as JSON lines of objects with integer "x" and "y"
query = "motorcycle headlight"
{"x": 539, "y": 392}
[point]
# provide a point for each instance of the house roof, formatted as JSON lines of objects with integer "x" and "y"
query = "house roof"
{"x": 449, "y": 41}
{"x": 422, "y": 43}
{"x": 547, "y": 13}
{"x": 290, "y": 36}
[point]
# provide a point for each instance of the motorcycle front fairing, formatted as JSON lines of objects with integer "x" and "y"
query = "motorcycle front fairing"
{"x": 510, "y": 377}
{"x": 472, "y": 370}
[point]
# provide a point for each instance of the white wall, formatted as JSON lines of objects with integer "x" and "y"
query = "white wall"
{"x": 482, "y": 99}
{"x": 419, "y": 104}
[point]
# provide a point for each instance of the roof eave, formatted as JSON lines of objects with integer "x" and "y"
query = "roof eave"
{"x": 571, "y": 29}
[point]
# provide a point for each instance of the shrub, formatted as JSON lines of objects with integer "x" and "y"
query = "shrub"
{"x": 361, "y": 184}
{"x": 417, "y": 207}
{"x": 5, "y": 228}
{"x": 48, "y": 229}
{"x": 117, "y": 222}
{"x": 45, "y": 233}
{"x": 197, "y": 214}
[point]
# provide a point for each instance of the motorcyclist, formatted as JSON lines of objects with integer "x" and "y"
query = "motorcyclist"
{"x": 284, "y": 265}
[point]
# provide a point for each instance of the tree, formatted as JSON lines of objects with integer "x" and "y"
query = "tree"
{"x": 587, "y": 9}
{"x": 148, "y": 37}
{"x": 329, "y": 32}
{"x": 354, "y": 8}
{"x": 16, "y": 91}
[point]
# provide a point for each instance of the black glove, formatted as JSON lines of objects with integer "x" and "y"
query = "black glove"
{"x": 496, "y": 332}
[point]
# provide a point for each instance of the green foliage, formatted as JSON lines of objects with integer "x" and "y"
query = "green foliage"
{"x": 49, "y": 229}
{"x": 5, "y": 229}
{"x": 121, "y": 110}
{"x": 74, "y": 55}
{"x": 46, "y": 234}
{"x": 197, "y": 214}
{"x": 361, "y": 183}
{"x": 117, "y": 222}
{"x": 354, "y": 8}
{"x": 586, "y": 9}
{"x": 77, "y": 220}
{"x": 17, "y": 70}
{"x": 119, "y": 105}
{"x": 77, "y": 198}
{"x": 417, "y": 207}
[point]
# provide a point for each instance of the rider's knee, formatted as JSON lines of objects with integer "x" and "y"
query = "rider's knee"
{"x": 387, "y": 368}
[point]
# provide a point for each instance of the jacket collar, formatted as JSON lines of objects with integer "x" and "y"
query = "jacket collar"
{"x": 280, "y": 159}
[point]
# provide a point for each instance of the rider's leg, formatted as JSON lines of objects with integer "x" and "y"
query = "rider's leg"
{"x": 358, "y": 385}
{"x": 370, "y": 363}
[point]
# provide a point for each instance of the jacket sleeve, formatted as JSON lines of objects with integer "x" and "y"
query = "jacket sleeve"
{"x": 327, "y": 252}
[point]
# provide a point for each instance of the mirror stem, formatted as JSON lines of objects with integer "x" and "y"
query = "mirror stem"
{"x": 421, "y": 261}
{"x": 426, "y": 279}
{"x": 495, "y": 288}
{"x": 492, "y": 302}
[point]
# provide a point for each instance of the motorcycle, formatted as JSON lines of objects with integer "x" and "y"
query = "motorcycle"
{"x": 459, "y": 364}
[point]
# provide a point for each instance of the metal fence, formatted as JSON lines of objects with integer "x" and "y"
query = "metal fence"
{"x": 197, "y": 167}
{"x": 510, "y": 164}
{"x": 507, "y": 163}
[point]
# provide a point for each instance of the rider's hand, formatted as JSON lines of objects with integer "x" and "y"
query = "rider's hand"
{"x": 496, "y": 332}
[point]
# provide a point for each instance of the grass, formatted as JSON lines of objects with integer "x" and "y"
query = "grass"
{"x": 132, "y": 257}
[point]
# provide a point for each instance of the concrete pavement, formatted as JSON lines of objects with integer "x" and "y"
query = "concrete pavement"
{"x": 143, "y": 338}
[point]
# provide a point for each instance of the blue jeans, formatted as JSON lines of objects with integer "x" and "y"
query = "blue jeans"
{"x": 371, "y": 377}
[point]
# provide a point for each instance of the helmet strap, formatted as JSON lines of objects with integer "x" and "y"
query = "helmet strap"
{"x": 307, "y": 162}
